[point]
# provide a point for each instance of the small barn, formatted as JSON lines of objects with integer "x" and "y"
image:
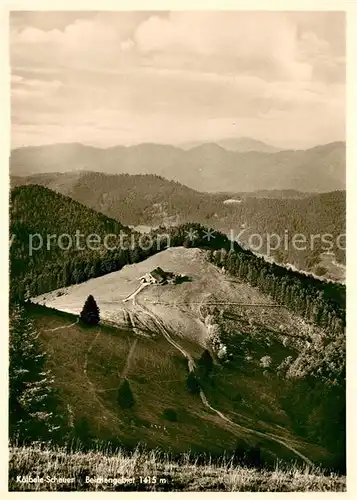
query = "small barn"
{"x": 156, "y": 276}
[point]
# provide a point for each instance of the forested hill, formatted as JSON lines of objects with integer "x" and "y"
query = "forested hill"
{"x": 38, "y": 218}
{"x": 41, "y": 212}
{"x": 152, "y": 200}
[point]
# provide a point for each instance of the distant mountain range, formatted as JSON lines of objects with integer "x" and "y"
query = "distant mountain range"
{"x": 206, "y": 167}
{"x": 241, "y": 144}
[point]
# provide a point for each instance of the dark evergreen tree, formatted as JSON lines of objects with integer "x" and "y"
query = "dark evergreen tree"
{"x": 187, "y": 243}
{"x": 240, "y": 451}
{"x": 253, "y": 456}
{"x": 125, "y": 396}
{"x": 205, "y": 363}
{"x": 32, "y": 401}
{"x": 192, "y": 384}
{"x": 82, "y": 430}
{"x": 90, "y": 312}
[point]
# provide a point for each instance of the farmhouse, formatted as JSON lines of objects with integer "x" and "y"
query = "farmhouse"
{"x": 156, "y": 277}
{"x": 159, "y": 277}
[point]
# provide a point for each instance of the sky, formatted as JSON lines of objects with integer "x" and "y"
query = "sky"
{"x": 109, "y": 78}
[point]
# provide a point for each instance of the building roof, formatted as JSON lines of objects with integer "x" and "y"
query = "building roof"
{"x": 158, "y": 274}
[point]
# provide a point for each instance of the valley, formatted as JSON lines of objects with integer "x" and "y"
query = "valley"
{"x": 273, "y": 338}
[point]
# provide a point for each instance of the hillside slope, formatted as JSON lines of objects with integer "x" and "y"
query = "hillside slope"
{"x": 208, "y": 167}
{"x": 182, "y": 303}
{"x": 262, "y": 351}
{"x": 64, "y": 255}
{"x": 252, "y": 397}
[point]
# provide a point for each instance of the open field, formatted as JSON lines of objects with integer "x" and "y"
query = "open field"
{"x": 89, "y": 364}
{"x": 178, "y": 305}
{"x": 147, "y": 343}
{"x": 100, "y": 470}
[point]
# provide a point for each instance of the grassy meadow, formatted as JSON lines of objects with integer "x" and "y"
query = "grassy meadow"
{"x": 105, "y": 470}
{"x": 245, "y": 409}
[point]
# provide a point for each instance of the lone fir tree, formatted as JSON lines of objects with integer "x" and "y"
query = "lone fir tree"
{"x": 90, "y": 312}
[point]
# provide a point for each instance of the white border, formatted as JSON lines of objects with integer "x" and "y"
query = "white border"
{"x": 269, "y": 5}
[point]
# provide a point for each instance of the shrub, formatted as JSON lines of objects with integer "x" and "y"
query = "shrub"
{"x": 192, "y": 384}
{"x": 320, "y": 270}
{"x": 82, "y": 430}
{"x": 206, "y": 361}
{"x": 125, "y": 396}
{"x": 170, "y": 414}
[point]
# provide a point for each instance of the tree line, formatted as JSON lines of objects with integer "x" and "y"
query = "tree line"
{"x": 318, "y": 302}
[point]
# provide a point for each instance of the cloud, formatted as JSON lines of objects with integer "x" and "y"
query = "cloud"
{"x": 127, "y": 45}
{"x": 311, "y": 45}
{"x": 262, "y": 42}
{"x": 28, "y": 89}
{"x": 80, "y": 32}
{"x": 84, "y": 42}
{"x": 32, "y": 35}
{"x": 126, "y": 77}
{"x": 268, "y": 44}
{"x": 272, "y": 45}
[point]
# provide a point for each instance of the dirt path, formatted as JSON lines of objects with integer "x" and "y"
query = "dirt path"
{"x": 138, "y": 290}
{"x": 124, "y": 372}
{"x": 128, "y": 359}
{"x": 85, "y": 365}
{"x": 129, "y": 318}
{"x": 253, "y": 431}
{"x": 61, "y": 327}
{"x": 161, "y": 326}
{"x": 91, "y": 385}
{"x": 191, "y": 366}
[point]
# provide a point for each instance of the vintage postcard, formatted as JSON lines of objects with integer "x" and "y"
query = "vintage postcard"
{"x": 177, "y": 289}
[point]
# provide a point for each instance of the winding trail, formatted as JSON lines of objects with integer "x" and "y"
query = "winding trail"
{"x": 124, "y": 372}
{"x": 128, "y": 359}
{"x": 85, "y": 365}
{"x": 161, "y": 326}
{"x": 90, "y": 383}
{"x": 138, "y": 290}
{"x": 61, "y": 327}
{"x": 253, "y": 431}
{"x": 191, "y": 367}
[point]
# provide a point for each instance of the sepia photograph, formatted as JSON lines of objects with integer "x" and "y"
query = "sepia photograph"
{"x": 177, "y": 253}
